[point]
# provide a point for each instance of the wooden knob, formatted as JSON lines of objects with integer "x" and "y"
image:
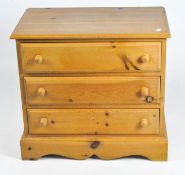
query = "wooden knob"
{"x": 41, "y": 92}
{"x": 145, "y": 58}
{"x": 144, "y": 91}
{"x": 43, "y": 122}
{"x": 143, "y": 123}
{"x": 38, "y": 59}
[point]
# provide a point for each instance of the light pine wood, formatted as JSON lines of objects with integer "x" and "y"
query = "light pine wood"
{"x": 144, "y": 91}
{"x": 162, "y": 115}
{"x": 144, "y": 123}
{"x": 41, "y": 92}
{"x": 38, "y": 59}
{"x": 104, "y": 147}
{"x": 93, "y": 121}
{"x": 85, "y": 23}
{"x": 108, "y": 67}
{"x": 92, "y": 90}
{"x": 145, "y": 58}
{"x": 43, "y": 122}
{"x": 91, "y": 57}
{"x": 22, "y": 87}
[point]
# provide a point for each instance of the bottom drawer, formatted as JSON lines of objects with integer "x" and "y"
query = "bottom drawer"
{"x": 93, "y": 121}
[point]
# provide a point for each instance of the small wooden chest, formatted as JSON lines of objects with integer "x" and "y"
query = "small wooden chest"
{"x": 93, "y": 82}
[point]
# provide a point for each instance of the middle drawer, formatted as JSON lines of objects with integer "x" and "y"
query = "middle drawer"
{"x": 55, "y": 91}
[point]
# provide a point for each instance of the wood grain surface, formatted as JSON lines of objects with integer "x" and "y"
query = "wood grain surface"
{"x": 85, "y": 23}
{"x": 93, "y": 82}
{"x": 91, "y": 57}
{"x": 91, "y": 90}
{"x": 93, "y": 121}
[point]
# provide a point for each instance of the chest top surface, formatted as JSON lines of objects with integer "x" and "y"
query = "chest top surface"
{"x": 92, "y": 23}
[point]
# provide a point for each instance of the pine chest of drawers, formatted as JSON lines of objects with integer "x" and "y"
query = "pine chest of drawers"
{"x": 92, "y": 82}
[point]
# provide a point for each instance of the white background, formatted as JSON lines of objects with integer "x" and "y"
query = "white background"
{"x": 11, "y": 124}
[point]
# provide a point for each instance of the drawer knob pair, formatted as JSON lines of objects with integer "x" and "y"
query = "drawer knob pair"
{"x": 145, "y": 58}
{"x": 38, "y": 59}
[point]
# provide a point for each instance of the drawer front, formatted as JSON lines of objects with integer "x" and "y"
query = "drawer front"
{"x": 91, "y": 57}
{"x": 92, "y": 90}
{"x": 93, "y": 121}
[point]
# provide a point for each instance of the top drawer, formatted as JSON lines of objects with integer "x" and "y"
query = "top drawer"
{"x": 91, "y": 57}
